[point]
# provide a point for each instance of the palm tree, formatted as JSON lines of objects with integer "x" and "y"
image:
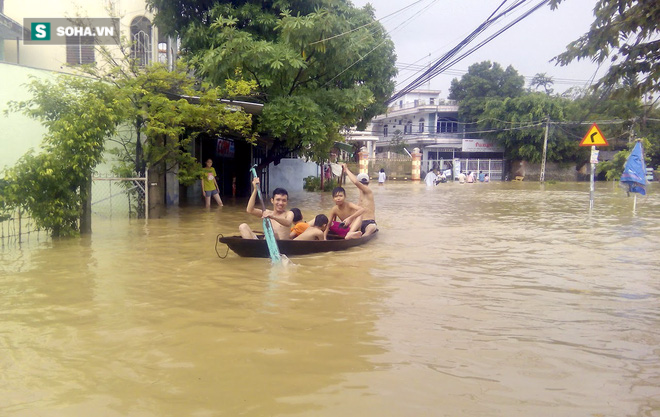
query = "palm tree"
{"x": 543, "y": 80}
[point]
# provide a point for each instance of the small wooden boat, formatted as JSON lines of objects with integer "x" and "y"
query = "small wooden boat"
{"x": 257, "y": 248}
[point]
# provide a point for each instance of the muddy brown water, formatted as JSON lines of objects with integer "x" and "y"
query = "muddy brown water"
{"x": 500, "y": 299}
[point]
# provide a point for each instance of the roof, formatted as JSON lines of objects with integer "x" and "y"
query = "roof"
{"x": 9, "y": 28}
{"x": 248, "y": 107}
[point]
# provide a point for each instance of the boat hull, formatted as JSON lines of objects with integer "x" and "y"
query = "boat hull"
{"x": 258, "y": 248}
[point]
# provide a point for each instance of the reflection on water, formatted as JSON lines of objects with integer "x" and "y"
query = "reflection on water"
{"x": 501, "y": 299}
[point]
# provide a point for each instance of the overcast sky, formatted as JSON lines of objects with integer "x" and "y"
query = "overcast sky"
{"x": 430, "y": 28}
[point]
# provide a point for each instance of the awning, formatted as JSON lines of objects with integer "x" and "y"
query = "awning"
{"x": 346, "y": 147}
{"x": 9, "y": 28}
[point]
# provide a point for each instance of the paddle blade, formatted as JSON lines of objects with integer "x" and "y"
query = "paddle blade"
{"x": 270, "y": 241}
{"x": 268, "y": 228}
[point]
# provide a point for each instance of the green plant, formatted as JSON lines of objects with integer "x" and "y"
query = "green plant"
{"x": 313, "y": 183}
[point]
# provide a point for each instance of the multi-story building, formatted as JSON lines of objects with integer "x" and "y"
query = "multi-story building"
{"x": 135, "y": 25}
{"x": 424, "y": 120}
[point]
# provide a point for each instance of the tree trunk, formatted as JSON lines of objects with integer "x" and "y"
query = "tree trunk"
{"x": 156, "y": 192}
{"x": 86, "y": 205}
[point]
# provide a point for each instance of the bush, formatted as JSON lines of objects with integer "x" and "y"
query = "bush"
{"x": 313, "y": 183}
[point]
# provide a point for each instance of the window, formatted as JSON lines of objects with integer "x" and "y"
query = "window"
{"x": 421, "y": 125}
{"x": 447, "y": 126}
{"x": 432, "y": 101}
{"x": 407, "y": 129}
{"x": 79, "y": 50}
{"x": 141, "y": 41}
{"x": 385, "y": 131}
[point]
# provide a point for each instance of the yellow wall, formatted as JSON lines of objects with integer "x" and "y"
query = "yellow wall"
{"x": 53, "y": 57}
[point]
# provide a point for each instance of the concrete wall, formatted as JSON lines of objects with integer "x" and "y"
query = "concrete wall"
{"x": 394, "y": 168}
{"x": 553, "y": 171}
{"x": 18, "y": 133}
{"x": 289, "y": 174}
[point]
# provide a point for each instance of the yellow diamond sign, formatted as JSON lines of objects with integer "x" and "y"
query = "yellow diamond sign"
{"x": 594, "y": 137}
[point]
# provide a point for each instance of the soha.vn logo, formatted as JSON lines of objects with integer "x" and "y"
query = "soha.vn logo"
{"x": 40, "y": 31}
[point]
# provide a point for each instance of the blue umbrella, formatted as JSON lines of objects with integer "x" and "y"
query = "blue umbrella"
{"x": 634, "y": 172}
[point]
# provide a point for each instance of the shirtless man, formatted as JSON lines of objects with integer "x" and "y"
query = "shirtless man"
{"x": 280, "y": 217}
{"x": 366, "y": 200}
{"x": 350, "y": 215}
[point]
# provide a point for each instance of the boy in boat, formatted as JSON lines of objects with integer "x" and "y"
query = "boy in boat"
{"x": 299, "y": 226}
{"x": 350, "y": 215}
{"x": 280, "y": 217}
{"x": 315, "y": 231}
{"x": 366, "y": 200}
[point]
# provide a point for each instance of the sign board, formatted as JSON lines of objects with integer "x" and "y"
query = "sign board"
{"x": 225, "y": 148}
{"x": 594, "y": 156}
{"x": 480, "y": 145}
{"x": 594, "y": 137}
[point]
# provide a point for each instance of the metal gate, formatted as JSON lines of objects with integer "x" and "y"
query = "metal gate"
{"x": 120, "y": 197}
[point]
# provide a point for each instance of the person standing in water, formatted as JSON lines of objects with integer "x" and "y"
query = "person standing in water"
{"x": 381, "y": 177}
{"x": 210, "y": 185}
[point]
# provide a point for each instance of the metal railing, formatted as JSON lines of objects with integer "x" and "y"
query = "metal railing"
{"x": 493, "y": 167}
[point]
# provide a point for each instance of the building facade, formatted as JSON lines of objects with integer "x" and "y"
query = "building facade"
{"x": 148, "y": 45}
{"x": 424, "y": 120}
{"x": 21, "y": 61}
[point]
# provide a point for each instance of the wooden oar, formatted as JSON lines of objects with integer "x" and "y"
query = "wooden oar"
{"x": 268, "y": 228}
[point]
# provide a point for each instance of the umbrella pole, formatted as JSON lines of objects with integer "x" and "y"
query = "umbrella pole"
{"x": 635, "y": 203}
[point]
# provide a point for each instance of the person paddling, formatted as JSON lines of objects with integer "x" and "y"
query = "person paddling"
{"x": 281, "y": 218}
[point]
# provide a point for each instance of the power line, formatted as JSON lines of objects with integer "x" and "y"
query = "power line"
{"x": 370, "y": 23}
{"x": 460, "y": 72}
{"x": 374, "y": 30}
{"x": 446, "y": 61}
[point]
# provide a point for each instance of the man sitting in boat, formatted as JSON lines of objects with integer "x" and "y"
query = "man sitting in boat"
{"x": 366, "y": 201}
{"x": 349, "y": 213}
{"x": 316, "y": 231}
{"x": 281, "y": 218}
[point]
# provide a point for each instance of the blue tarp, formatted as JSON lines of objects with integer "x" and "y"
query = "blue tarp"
{"x": 634, "y": 172}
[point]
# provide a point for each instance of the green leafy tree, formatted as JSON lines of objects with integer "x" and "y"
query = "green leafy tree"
{"x": 516, "y": 118}
{"x": 80, "y": 114}
{"x": 164, "y": 111}
{"x": 519, "y": 124}
{"x": 626, "y": 32}
{"x": 319, "y": 65}
{"x": 484, "y": 80}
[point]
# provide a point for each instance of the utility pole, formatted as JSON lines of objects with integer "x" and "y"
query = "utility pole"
{"x": 545, "y": 148}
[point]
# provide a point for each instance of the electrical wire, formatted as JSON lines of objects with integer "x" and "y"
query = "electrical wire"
{"x": 370, "y": 23}
{"x": 448, "y": 59}
{"x": 483, "y": 26}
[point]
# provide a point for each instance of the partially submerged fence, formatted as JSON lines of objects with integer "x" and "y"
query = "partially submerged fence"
{"x": 112, "y": 197}
{"x": 17, "y": 227}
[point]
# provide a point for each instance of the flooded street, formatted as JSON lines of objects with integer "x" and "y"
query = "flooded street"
{"x": 500, "y": 299}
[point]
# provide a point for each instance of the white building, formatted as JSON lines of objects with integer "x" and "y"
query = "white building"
{"x": 422, "y": 119}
